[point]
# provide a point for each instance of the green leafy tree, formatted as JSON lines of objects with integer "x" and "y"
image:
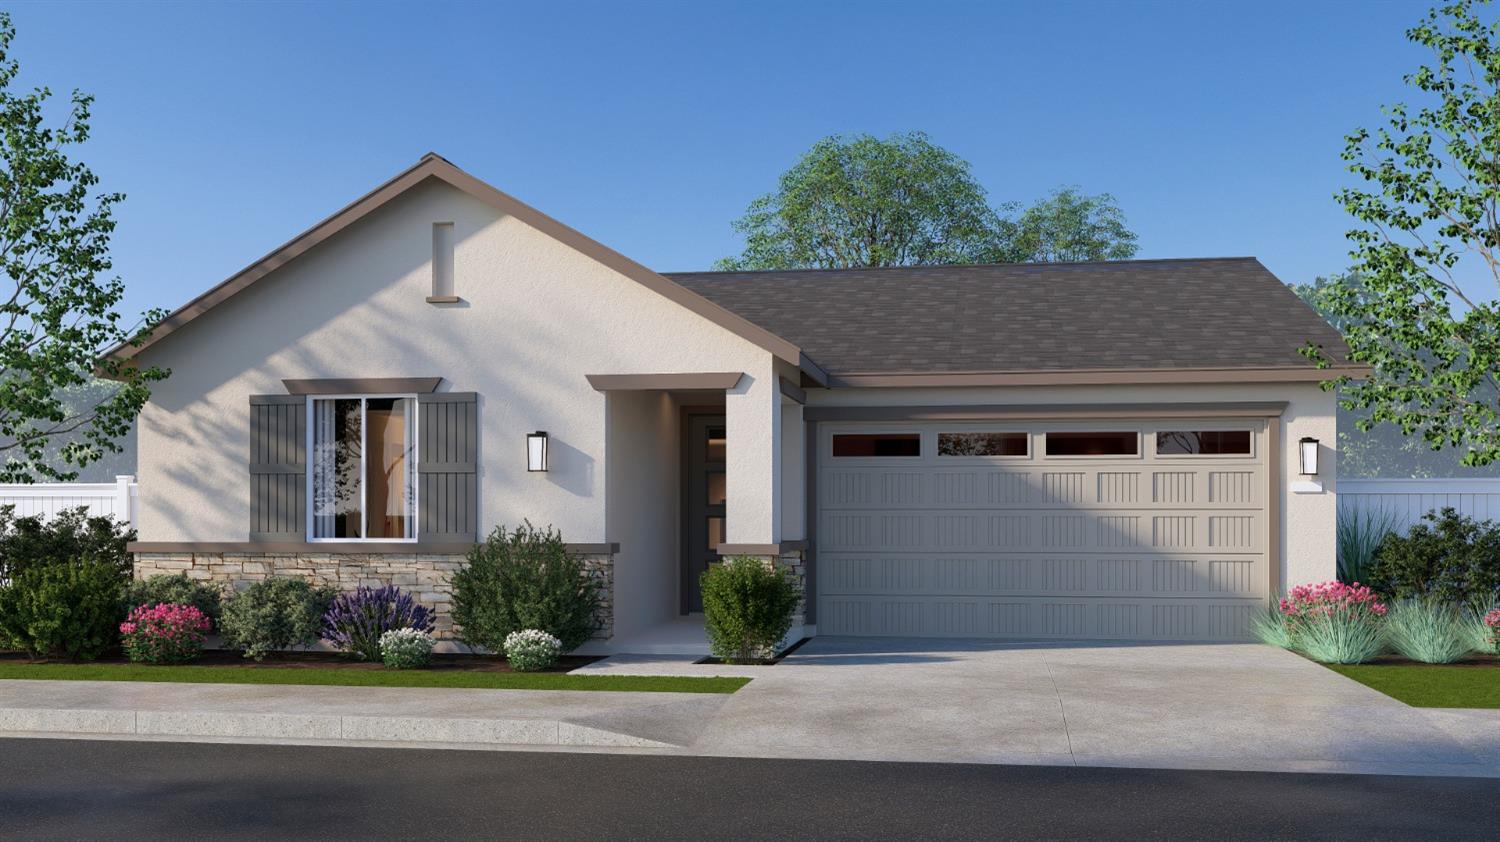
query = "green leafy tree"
{"x": 863, "y": 201}
{"x": 1427, "y": 204}
{"x": 1069, "y": 226}
{"x": 58, "y": 310}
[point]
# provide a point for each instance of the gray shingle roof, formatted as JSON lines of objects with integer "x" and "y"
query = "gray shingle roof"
{"x": 1137, "y": 314}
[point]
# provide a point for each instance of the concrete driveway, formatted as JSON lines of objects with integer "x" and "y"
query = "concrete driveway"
{"x": 1236, "y": 706}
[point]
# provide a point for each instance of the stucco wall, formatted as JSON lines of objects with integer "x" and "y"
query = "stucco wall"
{"x": 644, "y": 456}
{"x": 1308, "y": 520}
{"x": 536, "y": 317}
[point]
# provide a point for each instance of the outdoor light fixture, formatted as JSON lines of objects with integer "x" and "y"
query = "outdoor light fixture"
{"x": 536, "y": 451}
{"x": 1309, "y": 454}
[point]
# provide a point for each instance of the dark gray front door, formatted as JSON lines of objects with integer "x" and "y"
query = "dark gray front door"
{"x": 702, "y": 502}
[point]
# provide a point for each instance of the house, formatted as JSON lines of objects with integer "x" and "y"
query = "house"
{"x": 1103, "y": 450}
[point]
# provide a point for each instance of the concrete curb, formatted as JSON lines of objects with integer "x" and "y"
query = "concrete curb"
{"x": 321, "y": 727}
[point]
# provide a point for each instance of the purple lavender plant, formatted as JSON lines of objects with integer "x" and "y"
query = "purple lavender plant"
{"x": 356, "y": 619}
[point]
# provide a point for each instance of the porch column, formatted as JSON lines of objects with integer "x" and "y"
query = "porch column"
{"x": 752, "y": 411}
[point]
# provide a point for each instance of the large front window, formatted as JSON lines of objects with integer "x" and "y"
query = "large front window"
{"x": 364, "y": 468}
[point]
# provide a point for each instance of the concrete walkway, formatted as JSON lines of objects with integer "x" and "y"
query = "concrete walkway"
{"x": 1244, "y": 707}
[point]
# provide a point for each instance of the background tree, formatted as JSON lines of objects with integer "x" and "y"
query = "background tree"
{"x": 1070, "y": 226}
{"x": 1428, "y": 208}
{"x": 904, "y": 201}
{"x": 57, "y": 312}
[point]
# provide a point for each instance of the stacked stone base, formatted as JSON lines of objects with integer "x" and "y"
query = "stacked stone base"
{"x": 428, "y": 578}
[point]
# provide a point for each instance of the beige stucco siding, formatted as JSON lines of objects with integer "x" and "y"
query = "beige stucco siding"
{"x": 1307, "y": 520}
{"x": 536, "y": 317}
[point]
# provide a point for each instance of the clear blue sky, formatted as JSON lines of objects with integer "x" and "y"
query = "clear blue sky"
{"x": 650, "y": 126}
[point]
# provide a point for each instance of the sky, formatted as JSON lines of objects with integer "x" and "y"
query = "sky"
{"x": 649, "y": 126}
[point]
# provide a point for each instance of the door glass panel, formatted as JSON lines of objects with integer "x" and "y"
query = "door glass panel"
{"x": 336, "y": 466}
{"x": 390, "y": 475}
{"x": 1204, "y": 442}
{"x": 715, "y": 533}
{"x": 877, "y": 444}
{"x": 715, "y": 451}
{"x": 715, "y": 489}
{"x": 982, "y": 444}
{"x": 1093, "y": 444}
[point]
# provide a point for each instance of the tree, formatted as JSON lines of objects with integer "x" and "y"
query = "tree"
{"x": 1070, "y": 227}
{"x": 57, "y": 312}
{"x": 902, "y": 201}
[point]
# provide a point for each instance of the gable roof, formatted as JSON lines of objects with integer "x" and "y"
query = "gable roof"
{"x": 434, "y": 166}
{"x": 1206, "y": 320}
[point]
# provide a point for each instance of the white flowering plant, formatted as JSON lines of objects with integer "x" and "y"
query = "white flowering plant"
{"x": 404, "y": 649}
{"x": 530, "y": 650}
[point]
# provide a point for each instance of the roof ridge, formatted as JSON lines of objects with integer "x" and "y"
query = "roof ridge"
{"x": 1040, "y": 264}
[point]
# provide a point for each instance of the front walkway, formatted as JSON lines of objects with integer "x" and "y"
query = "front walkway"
{"x": 1190, "y": 706}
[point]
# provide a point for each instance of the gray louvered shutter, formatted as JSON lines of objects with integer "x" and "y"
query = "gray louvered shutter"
{"x": 278, "y": 468}
{"x": 448, "y": 467}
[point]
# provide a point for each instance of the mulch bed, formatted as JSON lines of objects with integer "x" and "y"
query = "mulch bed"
{"x": 776, "y": 660}
{"x": 331, "y": 660}
{"x": 1475, "y": 661}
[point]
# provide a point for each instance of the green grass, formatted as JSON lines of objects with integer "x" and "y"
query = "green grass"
{"x": 1429, "y": 685}
{"x": 189, "y": 674}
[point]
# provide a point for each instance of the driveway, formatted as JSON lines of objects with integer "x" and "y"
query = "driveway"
{"x": 1228, "y": 706}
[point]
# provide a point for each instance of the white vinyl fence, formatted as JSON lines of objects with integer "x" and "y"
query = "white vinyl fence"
{"x": 1409, "y": 499}
{"x": 100, "y": 498}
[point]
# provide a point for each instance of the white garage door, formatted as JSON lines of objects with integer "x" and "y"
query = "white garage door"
{"x": 1114, "y": 530}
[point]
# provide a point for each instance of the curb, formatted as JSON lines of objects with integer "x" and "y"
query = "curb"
{"x": 398, "y": 729}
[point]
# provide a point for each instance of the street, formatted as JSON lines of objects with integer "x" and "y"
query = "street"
{"x": 77, "y": 789}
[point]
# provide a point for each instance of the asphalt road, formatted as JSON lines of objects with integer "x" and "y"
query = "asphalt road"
{"x": 74, "y": 789}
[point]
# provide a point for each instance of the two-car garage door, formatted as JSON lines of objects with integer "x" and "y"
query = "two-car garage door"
{"x": 1153, "y": 530}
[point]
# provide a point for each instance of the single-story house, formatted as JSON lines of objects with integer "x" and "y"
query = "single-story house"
{"x": 1097, "y": 450}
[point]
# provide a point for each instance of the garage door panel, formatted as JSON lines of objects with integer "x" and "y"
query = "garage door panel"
{"x": 1146, "y": 546}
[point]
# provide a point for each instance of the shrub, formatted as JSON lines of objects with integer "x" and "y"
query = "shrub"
{"x": 1325, "y": 598}
{"x": 1270, "y": 627}
{"x": 406, "y": 648}
{"x": 1451, "y": 558}
{"x": 276, "y": 613}
{"x": 67, "y": 608}
{"x": 747, "y": 609}
{"x": 1491, "y": 623}
{"x": 166, "y": 633}
{"x": 1358, "y": 535}
{"x": 530, "y": 650}
{"x": 357, "y": 619}
{"x": 63, "y": 539}
{"x": 524, "y": 579}
{"x": 1345, "y": 636}
{"x": 1428, "y": 631}
{"x": 174, "y": 589}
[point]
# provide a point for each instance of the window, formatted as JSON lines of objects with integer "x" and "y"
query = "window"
{"x": 364, "y": 468}
{"x": 982, "y": 444}
{"x": 878, "y": 444}
{"x": 1203, "y": 442}
{"x": 1093, "y": 444}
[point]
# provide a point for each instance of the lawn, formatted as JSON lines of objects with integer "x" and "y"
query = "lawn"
{"x": 1430, "y": 685}
{"x": 190, "y": 674}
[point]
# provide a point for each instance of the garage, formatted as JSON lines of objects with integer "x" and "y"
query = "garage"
{"x": 1146, "y": 529}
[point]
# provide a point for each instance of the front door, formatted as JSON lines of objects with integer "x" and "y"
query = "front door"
{"x": 702, "y": 502}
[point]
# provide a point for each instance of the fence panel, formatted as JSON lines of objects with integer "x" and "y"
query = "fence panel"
{"x": 100, "y": 498}
{"x": 1409, "y": 499}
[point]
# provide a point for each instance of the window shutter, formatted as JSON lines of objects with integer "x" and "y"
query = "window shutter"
{"x": 278, "y": 468}
{"x": 448, "y": 467}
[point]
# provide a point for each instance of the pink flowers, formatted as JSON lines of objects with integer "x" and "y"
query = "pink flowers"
{"x": 1329, "y": 598}
{"x": 168, "y": 633}
{"x": 1492, "y": 623}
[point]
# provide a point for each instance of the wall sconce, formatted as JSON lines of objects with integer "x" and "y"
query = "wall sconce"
{"x": 536, "y": 451}
{"x": 1308, "y": 451}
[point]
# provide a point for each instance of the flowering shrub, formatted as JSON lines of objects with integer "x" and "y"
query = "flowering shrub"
{"x": 165, "y": 633}
{"x": 1331, "y": 597}
{"x": 530, "y": 650}
{"x": 1492, "y": 625}
{"x": 1332, "y": 622}
{"x": 404, "y": 649}
{"x": 357, "y": 619}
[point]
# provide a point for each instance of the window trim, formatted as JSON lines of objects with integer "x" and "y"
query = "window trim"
{"x": 364, "y": 514}
{"x": 921, "y": 448}
{"x": 937, "y": 446}
{"x": 1252, "y": 454}
{"x": 1140, "y": 449}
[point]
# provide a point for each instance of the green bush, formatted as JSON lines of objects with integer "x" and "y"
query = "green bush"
{"x": 1451, "y": 558}
{"x": 524, "y": 579}
{"x": 1428, "y": 631}
{"x": 175, "y": 589}
{"x": 747, "y": 609}
{"x": 65, "y": 538}
{"x": 68, "y": 609}
{"x": 276, "y": 613}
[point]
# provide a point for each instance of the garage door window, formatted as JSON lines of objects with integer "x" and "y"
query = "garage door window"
{"x": 1093, "y": 444}
{"x": 1203, "y": 443}
{"x": 877, "y": 444}
{"x": 982, "y": 444}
